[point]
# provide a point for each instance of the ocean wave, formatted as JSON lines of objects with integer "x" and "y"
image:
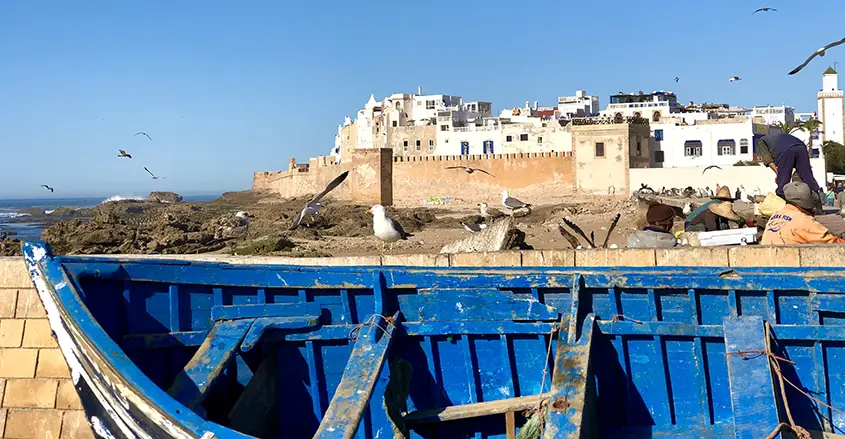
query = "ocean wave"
{"x": 122, "y": 198}
{"x": 13, "y": 214}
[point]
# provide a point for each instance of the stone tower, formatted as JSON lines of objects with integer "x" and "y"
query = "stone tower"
{"x": 831, "y": 108}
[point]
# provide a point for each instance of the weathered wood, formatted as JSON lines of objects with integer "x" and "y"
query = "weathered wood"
{"x": 232, "y": 312}
{"x": 464, "y": 411}
{"x": 191, "y": 385}
{"x": 510, "y": 425}
{"x": 251, "y": 412}
{"x": 475, "y": 304}
{"x": 259, "y": 326}
{"x": 753, "y": 398}
{"x": 497, "y": 236}
{"x": 356, "y": 386}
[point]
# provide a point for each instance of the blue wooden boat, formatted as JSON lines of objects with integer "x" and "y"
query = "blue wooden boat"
{"x": 170, "y": 348}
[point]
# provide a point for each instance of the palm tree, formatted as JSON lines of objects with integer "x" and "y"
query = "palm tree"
{"x": 787, "y": 127}
{"x": 811, "y": 127}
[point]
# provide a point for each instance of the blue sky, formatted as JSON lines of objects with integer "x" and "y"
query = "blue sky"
{"x": 226, "y": 88}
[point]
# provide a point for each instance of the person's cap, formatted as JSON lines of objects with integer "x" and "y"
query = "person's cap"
{"x": 724, "y": 194}
{"x": 725, "y": 209}
{"x": 799, "y": 194}
{"x": 658, "y": 213}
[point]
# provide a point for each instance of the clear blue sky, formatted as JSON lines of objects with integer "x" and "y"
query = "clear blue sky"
{"x": 226, "y": 88}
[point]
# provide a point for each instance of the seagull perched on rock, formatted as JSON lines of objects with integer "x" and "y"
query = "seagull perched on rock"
{"x": 313, "y": 205}
{"x": 232, "y": 227}
{"x": 473, "y": 227}
{"x": 155, "y": 177}
{"x": 123, "y": 154}
{"x": 735, "y": 78}
{"x": 490, "y": 212}
{"x": 820, "y": 52}
{"x": 511, "y": 204}
{"x": 385, "y": 228}
{"x": 141, "y": 133}
{"x": 469, "y": 170}
{"x": 764, "y": 10}
{"x": 47, "y": 187}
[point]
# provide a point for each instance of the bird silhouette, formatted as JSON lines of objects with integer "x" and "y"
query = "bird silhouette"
{"x": 155, "y": 177}
{"x": 677, "y": 79}
{"x": 124, "y": 154}
{"x": 469, "y": 170}
{"x": 820, "y": 52}
{"x": 764, "y": 10}
{"x": 709, "y": 167}
{"x": 313, "y": 206}
{"x": 735, "y": 78}
{"x": 141, "y": 133}
{"x": 47, "y": 187}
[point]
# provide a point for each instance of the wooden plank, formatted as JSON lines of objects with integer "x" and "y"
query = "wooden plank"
{"x": 252, "y": 311}
{"x": 251, "y": 412}
{"x": 475, "y": 304}
{"x": 353, "y": 394}
{"x": 191, "y": 386}
{"x": 478, "y": 409}
{"x": 510, "y": 425}
{"x": 572, "y": 383}
{"x": 752, "y": 391}
{"x": 259, "y": 326}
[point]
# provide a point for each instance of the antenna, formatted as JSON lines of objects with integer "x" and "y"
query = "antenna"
{"x": 834, "y": 65}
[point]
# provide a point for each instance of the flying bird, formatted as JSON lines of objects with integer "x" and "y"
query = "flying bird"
{"x": 512, "y": 204}
{"x": 490, "y": 212}
{"x": 155, "y": 177}
{"x": 764, "y": 10}
{"x": 124, "y": 154}
{"x": 47, "y": 187}
{"x": 313, "y": 205}
{"x": 819, "y": 52}
{"x": 385, "y": 228}
{"x": 469, "y": 170}
{"x": 711, "y": 166}
{"x": 141, "y": 133}
{"x": 473, "y": 227}
{"x": 677, "y": 79}
{"x": 735, "y": 78}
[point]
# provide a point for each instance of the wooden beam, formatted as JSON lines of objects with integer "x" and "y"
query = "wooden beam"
{"x": 465, "y": 411}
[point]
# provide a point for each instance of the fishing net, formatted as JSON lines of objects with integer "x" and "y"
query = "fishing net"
{"x": 531, "y": 428}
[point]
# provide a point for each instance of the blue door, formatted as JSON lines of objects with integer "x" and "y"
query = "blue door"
{"x": 464, "y": 148}
{"x": 488, "y": 147}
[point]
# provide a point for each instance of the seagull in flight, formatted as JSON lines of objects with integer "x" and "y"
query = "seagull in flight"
{"x": 155, "y": 177}
{"x": 735, "y": 78}
{"x": 47, "y": 187}
{"x": 820, "y": 52}
{"x": 124, "y": 154}
{"x": 709, "y": 167}
{"x": 141, "y": 133}
{"x": 677, "y": 79}
{"x": 764, "y": 10}
{"x": 313, "y": 205}
{"x": 469, "y": 170}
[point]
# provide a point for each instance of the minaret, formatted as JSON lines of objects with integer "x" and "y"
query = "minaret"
{"x": 831, "y": 108}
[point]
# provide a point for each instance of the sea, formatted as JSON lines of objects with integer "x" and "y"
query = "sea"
{"x": 11, "y": 220}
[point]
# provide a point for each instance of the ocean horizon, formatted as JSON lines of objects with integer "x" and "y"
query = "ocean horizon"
{"x": 11, "y": 216}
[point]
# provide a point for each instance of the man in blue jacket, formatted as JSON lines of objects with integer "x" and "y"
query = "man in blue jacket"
{"x": 788, "y": 157}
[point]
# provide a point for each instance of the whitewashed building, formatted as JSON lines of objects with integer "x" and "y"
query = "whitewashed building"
{"x": 580, "y": 105}
{"x": 501, "y": 136}
{"x": 773, "y": 115}
{"x": 708, "y": 142}
{"x": 831, "y": 108}
{"x": 653, "y": 106}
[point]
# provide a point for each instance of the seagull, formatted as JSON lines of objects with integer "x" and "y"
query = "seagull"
{"x": 124, "y": 154}
{"x": 313, "y": 205}
{"x": 232, "y": 227}
{"x": 385, "y": 228}
{"x": 473, "y": 227}
{"x": 141, "y": 133}
{"x": 687, "y": 209}
{"x": 735, "y": 78}
{"x": 709, "y": 167}
{"x": 469, "y": 170}
{"x": 47, "y": 187}
{"x": 819, "y": 52}
{"x": 677, "y": 79}
{"x": 155, "y": 177}
{"x": 512, "y": 204}
{"x": 490, "y": 212}
{"x": 764, "y": 10}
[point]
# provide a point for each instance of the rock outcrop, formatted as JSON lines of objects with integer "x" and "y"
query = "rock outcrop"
{"x": 165, "y": 197}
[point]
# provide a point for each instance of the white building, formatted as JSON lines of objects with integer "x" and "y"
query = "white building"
{"x": 831, "y": 108}
{"x": 773, "y": 115}
{"x": 426, "y": 107}
{"x": 501, "y": 136}
{"x": 720, "y": 142}
{"x": 580, "y": 105}
{"x": 652, "y": 106}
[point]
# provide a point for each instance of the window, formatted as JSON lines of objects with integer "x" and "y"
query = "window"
{"x": 508, "y": 138}
{"x": 658, "y": 135}
{"x": 658, "y": 156}
{"x": 395, "y": 123}
{"x": 405, "y": 146}
{"x": 539, "y": 139}
{"x": 655, "y": 117}
{"x": 523, "y": 137}
{"x": 599, "y": 149}
{"x": 444, "y": 127}
{"x": 431, "y": 144}
{"x": 639, "y": 148}
{"x": 726, "y": 147}
{"x": 692, "y": 148}
{"x": 429, "y": 105}
{"x": 488, "y": 147}
{"x": 419, "y": 145}
{"x": 743, "y": 146}
{"x": 464, "y": 148}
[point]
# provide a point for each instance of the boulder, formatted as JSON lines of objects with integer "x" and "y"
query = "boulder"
{"x": 165, "y": 197}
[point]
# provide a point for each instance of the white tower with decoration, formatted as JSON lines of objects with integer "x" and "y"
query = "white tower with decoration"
{"x": 831, "y": 108}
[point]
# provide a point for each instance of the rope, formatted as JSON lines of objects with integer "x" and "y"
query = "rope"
{"x": 538, "y": 412}
{"x": 371, "y": 321}
{"x": 621, "y": 317}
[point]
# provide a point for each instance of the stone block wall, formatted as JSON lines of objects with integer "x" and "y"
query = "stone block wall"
{"x": 37, "y": 396}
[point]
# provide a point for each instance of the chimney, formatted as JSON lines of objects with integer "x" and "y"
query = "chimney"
{"x": 419, "y": 90}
